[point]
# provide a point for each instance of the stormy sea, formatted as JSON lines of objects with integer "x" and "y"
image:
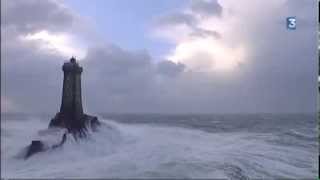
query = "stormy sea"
{"x": 233, "y": 146}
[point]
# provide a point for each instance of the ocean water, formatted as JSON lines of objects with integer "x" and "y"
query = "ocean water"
{"x": 169, "y": 146}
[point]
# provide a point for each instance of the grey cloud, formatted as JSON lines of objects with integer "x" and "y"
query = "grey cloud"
{"x": 281, "y": 77}
{"x": 30, "y": 74}
{"x": 190, "y": 20}
{"x": 283, "y": 65}
{"x": 114, "y": 79}
{"x": 199, "y": 32}
{"x": 126, "y": 81}
{"x": 120, "y": 70}
{"x": 206, "y": 8}
{"x": 299, "y": 9}
{"x": 279, "y": 74}
{"x": 35, "y": 15}
{"x": 170, "y": 68}
{"x": 29, "y": 77}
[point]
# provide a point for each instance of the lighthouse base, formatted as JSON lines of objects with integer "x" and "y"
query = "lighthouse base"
{"x": 76, "y": 126}
{"x": 58, "y": 128}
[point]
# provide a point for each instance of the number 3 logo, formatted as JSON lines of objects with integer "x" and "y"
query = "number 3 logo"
{"x": 291, "y": 23}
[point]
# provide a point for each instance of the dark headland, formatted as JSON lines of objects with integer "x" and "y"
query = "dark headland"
{"x": 71, "y": 116}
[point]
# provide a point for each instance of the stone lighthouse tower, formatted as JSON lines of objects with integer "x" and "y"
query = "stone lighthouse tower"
{"x": 71, "y": 105}
{"x": 71, "y": 115}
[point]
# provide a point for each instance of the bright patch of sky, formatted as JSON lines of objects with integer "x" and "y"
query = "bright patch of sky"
{"x": 62, "y": 44}
{"x": 128, "y": 23}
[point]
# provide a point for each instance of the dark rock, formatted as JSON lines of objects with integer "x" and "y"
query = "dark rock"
{"x": 39, "y": 146}
{"x": 34, "y": 147}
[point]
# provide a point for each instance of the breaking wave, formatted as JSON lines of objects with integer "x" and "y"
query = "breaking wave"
{"x": 120, "y": 150}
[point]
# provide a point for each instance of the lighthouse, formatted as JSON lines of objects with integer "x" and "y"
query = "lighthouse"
{"x": 71, "y": 103}
{"x": 71, "y": 118}
{"x": 71, "y": 115}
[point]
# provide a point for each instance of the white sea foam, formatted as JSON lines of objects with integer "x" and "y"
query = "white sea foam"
{"x": 122, "y": 150}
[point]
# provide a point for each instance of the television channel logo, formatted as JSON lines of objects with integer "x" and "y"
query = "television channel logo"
{"x": 291, "y": 23}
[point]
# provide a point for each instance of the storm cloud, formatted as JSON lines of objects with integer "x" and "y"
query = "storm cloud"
{"x": 35, "y": 15}
{"x": 277, "y": 73}
{"x": 206, "y": 8}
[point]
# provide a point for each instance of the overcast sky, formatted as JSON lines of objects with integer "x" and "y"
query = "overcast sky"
{"x": 168, "y": 56}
